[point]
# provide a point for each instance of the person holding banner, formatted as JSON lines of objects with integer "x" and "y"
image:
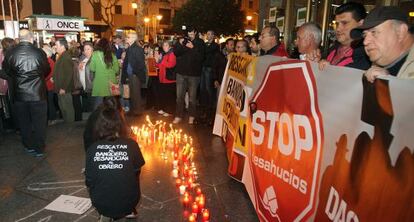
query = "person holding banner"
{"x": 388, "y": 43}
{"x": 347, "y": 51}
{"x": 270, "y": 44}
{"x": 308, "y": 39}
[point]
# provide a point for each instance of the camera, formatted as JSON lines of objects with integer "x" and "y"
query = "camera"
{"x": 186, "y": 40}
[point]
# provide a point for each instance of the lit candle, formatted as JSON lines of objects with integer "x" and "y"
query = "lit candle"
{"x": 190, "y": 182}
{"x": 194, "y": 208}
{"x": 186, "y": 171}
{"x": 201, "y": 203}
{"x": 206, "y": 215}
{"x": 186, "y": 201}
{"x": 198, "y": 191}
{"x": 178, "y": 182}
{"x": 192, "y": 218}
{"x": 175, "y": 173}
{"x": 182, "y": 189}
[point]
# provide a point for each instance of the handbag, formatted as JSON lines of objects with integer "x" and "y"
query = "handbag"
{"x": 114, "y": 89}
{"x": 170, "y": 74}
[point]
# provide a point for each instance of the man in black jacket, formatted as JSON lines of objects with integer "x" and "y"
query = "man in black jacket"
{"x": 190, "y": 55}
{"x": 134, "y": 69}
{"x": 207, "y": 89}
{"x": 27, "y": 67}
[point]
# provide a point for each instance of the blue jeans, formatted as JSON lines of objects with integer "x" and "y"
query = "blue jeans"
{"x": 184, "y": 84}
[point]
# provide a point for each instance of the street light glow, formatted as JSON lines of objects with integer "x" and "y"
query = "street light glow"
{"x": 146, "y": 19}
{"x": 159, "y": 17}
{"x": 134, "y": 5}
{"x": 249, "y": 17}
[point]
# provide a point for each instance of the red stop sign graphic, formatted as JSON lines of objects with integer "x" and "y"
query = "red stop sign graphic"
{"x": 287, "y": 137}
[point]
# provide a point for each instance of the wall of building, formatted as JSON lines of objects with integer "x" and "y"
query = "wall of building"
{"x": 57, "y": 7}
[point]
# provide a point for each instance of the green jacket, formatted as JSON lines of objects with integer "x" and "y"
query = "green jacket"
{"x": 63, "y": 73}
{"x": 103, "y": 75}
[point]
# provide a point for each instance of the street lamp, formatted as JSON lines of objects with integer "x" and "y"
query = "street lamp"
{"x": 249, "y": 17}
{"x": 135, "y": 7}
{"x": 158, "y": 17}
{"x": 146, "y": 20}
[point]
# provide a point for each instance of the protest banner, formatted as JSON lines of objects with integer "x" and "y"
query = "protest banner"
{"x": 326, "y": 145}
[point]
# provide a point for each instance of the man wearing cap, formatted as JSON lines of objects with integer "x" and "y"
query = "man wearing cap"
{"x": 388, "y": 43}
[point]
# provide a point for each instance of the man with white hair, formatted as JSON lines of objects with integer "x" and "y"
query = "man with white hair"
{"x": 308, "y": 39}
{"x": 134, "y": 69}
{"x": 27, "y": 67}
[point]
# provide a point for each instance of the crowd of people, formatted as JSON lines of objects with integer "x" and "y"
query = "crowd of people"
{"x": 180, "y": 79}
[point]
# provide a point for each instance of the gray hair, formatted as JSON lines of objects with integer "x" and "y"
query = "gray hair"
{"x": 25, "y": 35}
{"x": 397, "y": 23}
{"x": 314, "y": 30}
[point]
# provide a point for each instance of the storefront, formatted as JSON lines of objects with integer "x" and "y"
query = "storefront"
{"x": 21, "y": 25}
{"x": 46, "y": 26}
{"x": 287, "y": 15}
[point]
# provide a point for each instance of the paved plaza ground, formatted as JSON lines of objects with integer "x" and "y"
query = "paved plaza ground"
{"x": 28, "y": 184}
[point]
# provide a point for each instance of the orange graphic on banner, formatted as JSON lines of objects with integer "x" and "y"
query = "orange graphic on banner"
{"x": 368, "y": 187}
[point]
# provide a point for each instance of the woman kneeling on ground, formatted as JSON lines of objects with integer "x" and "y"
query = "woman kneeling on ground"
{"x": 113, "y": 166}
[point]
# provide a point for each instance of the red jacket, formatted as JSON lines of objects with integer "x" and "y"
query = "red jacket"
{"x": 168, "y": 61}
{"x": 50, "y": 85}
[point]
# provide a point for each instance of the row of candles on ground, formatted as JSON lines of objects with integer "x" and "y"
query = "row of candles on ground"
{"x": 186, "y": 175}
{"x": 151, "y": 133}
{"x": 184, "y": 170}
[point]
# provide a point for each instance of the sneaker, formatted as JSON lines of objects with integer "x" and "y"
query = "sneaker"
{"x": 52, "y": 122}
{"x": 30, "y": 151}
{"x": 161, "y": 112}
{"x": 132, "y": 215}
{"x": 177, "y": 120}
{"x": 166, "y": 114}
{"x": 191, "y": 120}
{"x": 36, "y": 154}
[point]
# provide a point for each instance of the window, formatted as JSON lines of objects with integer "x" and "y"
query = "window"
{"x": 251, "y": 4}
{"x": 41, "y": 7}
{"x": 97, "y": 12}
{"x": 118, "y": 9}
{"x": 166, "y": 16}
{"x": 71, "y": 8}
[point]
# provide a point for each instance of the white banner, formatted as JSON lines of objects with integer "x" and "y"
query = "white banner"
{"x": 58, "y": 24}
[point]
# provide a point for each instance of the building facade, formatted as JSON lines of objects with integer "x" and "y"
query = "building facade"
{"x": 123, "y": 12}
{"x": 287, "y": 15}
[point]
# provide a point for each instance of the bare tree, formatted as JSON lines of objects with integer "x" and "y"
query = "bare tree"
{"x": 104, "y": 9}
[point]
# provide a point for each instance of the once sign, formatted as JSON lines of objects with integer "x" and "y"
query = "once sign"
{"x": 60, "y": 24}
{"x": 286, "y": 143}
